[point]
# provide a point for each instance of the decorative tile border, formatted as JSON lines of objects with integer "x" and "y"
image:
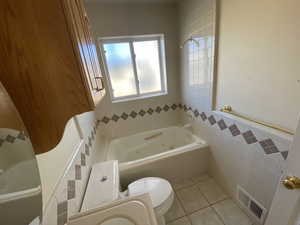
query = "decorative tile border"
{"x": 267, "y": 145}
{"x": 76, "y": 179}
{"x": 140, "y": 113}
{"x": 11, "y": 139}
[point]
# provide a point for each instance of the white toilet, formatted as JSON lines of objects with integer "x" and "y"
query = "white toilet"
{"x": 160, "y": 191}
{"x": 108, "y": 189}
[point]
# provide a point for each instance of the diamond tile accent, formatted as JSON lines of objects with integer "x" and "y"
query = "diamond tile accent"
{"x": 142, "y": 112}
{"x": 77, "y": 172}
{"x": 212, "y": 120}
{"x": 150, "y": 111}
{"x": 105, "y": 120}
{"x": 62, "y": 207}
{"x": 268, "y": 146}
{"x": 249, "y": 137}
{"x": 185, "y": 108}
{"x": 166, "y": 108}
{"x": 133, "y": 114}
{"x": 21, "y": 136}
{"x": 90, "y": 141}
{"x": 83, "y": 159}
{"x": 71, "y": 189}
{"x": 203, "y": 116}
{"x": 222, "y": 124}
{"x": 115, "y": 118}
{"x": 180, "y": 106}
{"x": 174, "y": 106}
{"x": 1, "y": 141}
{"x": 87, "y": 149}
{"x": 62, "y": 218}
{"x": 196, "y": 113}
{"x": 284, "y": 154}
{"x": 158, "y": 109}
{"x": 97, "y": 123}
{"x": 92, "y": 135}
{"x": 10, "y": 139}
{"x": 124, "y": 116}
{"x": 234, "y": 130}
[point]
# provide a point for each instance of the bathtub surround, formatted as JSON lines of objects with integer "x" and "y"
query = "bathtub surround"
{"x": 140, "y": 119}
{"x": 157, "y": 153}
{"x": 122, "y": 19}
{"x": 243, "y": 153}
{"x": 142, "y": 112}
{"x": 267, "y": 145}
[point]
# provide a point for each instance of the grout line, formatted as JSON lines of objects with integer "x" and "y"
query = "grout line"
{"x": 186, "y": 213}
{"x": 171, "y": 221}
{"x": 219, "y": 216}
{"x": 190, "y": 185}
{"x": 210, "y": 205}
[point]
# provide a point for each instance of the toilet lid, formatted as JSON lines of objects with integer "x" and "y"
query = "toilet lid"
{"x": 159, "y": 189}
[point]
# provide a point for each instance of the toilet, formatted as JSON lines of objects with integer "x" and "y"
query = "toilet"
{"x": 104, "y": 187}
{"x": 160, "y": 191}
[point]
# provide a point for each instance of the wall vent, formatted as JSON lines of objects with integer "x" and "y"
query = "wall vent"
{"x": 252, "y": 206}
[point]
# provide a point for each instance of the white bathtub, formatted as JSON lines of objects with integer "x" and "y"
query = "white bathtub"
{"x": 159, "y": 153}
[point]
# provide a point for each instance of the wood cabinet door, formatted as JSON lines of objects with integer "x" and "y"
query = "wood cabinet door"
{"x": 84, "y": 46}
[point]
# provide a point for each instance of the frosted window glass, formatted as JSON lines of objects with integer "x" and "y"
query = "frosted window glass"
{"x": 120, "y": 68}
{"x": 148, "y": 68}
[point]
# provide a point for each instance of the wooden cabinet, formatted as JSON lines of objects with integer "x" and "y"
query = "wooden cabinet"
{"x": 48, "y": 65}
{"x": 84, "y": 45}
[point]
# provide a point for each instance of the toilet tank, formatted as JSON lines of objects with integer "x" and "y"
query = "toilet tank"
{"x": 103, "y": 185}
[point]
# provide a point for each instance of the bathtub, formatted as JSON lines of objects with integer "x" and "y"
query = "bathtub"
{"x": 173, "y": 152}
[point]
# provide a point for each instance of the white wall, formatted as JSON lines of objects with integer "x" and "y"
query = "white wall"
{"x": 119, "y": 19}
{"x": 259, "y": 59}
{"x": 53, "y": 164}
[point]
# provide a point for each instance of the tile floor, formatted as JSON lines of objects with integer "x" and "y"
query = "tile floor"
{"x": 200, "y": 201}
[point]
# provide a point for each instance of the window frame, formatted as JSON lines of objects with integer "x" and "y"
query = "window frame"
{"x": 130, "y": 39}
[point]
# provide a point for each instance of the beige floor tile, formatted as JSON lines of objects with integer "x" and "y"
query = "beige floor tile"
{"x": 183, "y": 183}
{"x": 192, "y": 199}
{"x": 231, "y": 213}
{"x": 175, "y": 212}
{"x": 212, "y": 191}
{"x": 200, "y": 178}
{"x": 205, "y": 217}
{"x": 181, "y": 221}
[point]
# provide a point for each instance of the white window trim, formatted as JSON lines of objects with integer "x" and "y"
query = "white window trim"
{"x": 162, "y": 65}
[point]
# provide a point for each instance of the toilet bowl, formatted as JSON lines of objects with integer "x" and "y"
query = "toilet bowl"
{"x": 104, "y": 179}
{"x": 160, "y": 191}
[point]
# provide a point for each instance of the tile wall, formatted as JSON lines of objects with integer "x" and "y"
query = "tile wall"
{"x": 157, "y": 19}
{"x": 68, "y": 195}
{"x": 242, "y": 153}
{"x": 142, "y": 118}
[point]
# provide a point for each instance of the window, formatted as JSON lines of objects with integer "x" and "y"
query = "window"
{"x": 135, "y": 66}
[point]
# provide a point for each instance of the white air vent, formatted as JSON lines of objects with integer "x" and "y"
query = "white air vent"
{"x": 252, "y": 206}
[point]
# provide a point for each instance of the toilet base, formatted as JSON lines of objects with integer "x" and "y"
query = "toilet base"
{"x": 161, "y": 220}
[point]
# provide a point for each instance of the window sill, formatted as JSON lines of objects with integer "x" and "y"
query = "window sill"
{"x": 139, "y": 97}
